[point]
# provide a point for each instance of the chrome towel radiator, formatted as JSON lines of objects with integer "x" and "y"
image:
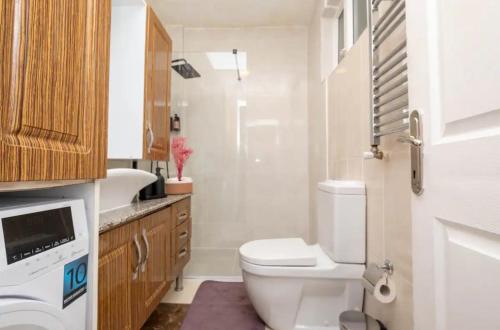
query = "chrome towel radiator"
{"x": 389, "y": 80}
{"x": 389, "y": 104}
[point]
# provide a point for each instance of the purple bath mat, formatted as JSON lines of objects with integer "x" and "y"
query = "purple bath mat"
{"x": 222, "y": 306}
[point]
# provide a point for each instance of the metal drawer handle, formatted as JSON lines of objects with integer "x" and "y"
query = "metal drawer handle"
{"x": 183, "y": 215}
{"x": 146, "y": 242}
{"x": 183, "y": 235}
{"x": 182, "y": 253}
{"x": 139, "y": 257}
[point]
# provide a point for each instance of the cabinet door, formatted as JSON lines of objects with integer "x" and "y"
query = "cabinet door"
{"x": 155, "y": 231}
{"x": 114, "y": 280}
{"x": 54, "y": 89}
{"x": 157, "y": 90}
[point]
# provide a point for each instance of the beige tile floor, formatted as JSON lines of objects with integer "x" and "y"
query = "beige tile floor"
{"x": 185, "y": 296}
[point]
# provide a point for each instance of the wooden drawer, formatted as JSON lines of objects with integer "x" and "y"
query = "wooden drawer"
{"x": 182, "y": 234}
{"x": 183, "y": 255}
{"x": 181, "y": 211}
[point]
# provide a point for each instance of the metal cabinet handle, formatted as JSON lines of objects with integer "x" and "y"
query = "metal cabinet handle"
{"x": 150, "y": 138}
{"x": 139, "y": 257}
{"x": 146, "y": 242}
{"x": 183, "y": 216}
{"x": 182, "y": 253}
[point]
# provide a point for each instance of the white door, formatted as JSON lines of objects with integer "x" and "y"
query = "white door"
{"x": 454, "y": 80}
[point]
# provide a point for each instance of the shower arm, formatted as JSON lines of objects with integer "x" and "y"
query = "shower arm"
{"x": 235, "y": 52}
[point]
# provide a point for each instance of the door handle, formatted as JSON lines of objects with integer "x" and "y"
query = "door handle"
{"x": 139, "y": 258}
{"x": 146, "y": 243}
{"x": 415, "y": 141}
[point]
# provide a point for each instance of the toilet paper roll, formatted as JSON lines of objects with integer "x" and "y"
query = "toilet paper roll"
{"x": 385, "y": 290}
{"x": 378, "y": 284}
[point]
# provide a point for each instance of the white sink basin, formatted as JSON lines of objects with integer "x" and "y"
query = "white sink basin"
{"x": 120, "y": 187}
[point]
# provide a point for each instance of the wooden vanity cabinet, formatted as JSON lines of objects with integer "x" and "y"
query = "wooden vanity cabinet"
{"x": 138, "y": 263}
{"x": 53, "y": 89}
{"x": 153, "y": 279}
{"x": 116, "y": 257}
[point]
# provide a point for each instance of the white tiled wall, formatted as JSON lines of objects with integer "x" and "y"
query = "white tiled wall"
{"x": 346, "y": 104}
{"x": 317, "y": 119}
{"x": 387, "y": 181}
{"x": 250, "y": 141}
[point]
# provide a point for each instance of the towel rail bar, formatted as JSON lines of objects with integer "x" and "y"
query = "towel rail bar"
{"x": 388, "y": 66}
{"x": 389, "y": 15}
{"x": 395, "y": 24}
{"x": 402, "y": 93}
{"x": 391, "y": 87}
{"x": 395, "y": 119}
{"x": 389, "y": 80}
{"x": 396, "y": 129}
{"x": 388, "y": 57}
{"x": 384, "y": 16}
{"x": 399, "y": 107}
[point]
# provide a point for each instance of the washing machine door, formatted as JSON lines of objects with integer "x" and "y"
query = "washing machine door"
{"x": 25, "y": 314}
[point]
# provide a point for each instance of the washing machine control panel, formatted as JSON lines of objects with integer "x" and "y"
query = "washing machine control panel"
{"x": 35, "y": 239}
{"x": 30, "y": 234}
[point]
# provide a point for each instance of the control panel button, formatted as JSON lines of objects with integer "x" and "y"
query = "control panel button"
{"x": 15, "y": 257}
{"x": 27, "y": 254}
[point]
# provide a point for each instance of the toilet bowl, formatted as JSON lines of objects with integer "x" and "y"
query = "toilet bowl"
{"x": 295, "y": 286}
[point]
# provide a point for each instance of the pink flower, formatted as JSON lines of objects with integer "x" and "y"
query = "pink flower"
{"x": 181, "y": 153}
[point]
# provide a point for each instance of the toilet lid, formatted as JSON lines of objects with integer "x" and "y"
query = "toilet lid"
{"x": 278, "y": 252}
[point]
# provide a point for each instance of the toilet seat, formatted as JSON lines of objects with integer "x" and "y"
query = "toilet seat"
{"x": 278, "y": 252}
{"x": 324, "y": 266}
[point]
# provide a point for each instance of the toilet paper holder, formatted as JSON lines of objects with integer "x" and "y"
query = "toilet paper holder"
{"x": 377, "y": 281}
{"x": 387, "y": 267}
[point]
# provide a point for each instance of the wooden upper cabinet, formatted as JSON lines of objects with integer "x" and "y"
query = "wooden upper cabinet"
{"x": 54, "y": 82}
{"x": 157, "y": 90}
{"x": 140, "y": 77}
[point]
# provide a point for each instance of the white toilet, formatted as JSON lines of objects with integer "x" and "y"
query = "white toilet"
{"x": 295, "y": 286}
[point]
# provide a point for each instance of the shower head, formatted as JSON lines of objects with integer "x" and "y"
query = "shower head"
{"x": 185, "y": 69}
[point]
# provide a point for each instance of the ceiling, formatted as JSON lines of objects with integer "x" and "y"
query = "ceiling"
{"x": 234, "y": 13}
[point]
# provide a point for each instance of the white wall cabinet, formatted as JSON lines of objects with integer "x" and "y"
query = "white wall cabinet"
{"x": 139, "y": 85}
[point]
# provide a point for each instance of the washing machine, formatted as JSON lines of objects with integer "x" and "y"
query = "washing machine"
{"x": 44, "y": 247}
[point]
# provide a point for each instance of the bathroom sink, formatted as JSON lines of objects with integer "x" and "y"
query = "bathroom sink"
{"x": 120, "y": 187}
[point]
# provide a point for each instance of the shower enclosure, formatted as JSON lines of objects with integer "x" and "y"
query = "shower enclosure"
{"x": 249, "y": 137}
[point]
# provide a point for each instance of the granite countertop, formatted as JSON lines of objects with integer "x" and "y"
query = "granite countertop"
{"x": 114, "y": 218}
